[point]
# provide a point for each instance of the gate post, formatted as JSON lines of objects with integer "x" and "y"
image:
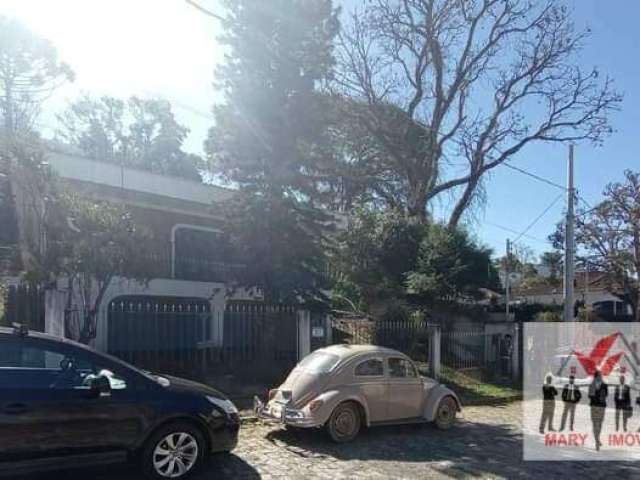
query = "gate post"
{"x": 328, "y": 329}
{"x": 304, "y": 333}
{"x": 435, "y": 335}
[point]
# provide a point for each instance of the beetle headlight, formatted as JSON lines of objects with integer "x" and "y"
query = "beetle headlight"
{"x": 226, "y": 406}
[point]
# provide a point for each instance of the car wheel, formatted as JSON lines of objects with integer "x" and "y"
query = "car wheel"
{"x": 446, "y": 413}
{"x": 344, "y": 423}
{"x": 174, "y": 451}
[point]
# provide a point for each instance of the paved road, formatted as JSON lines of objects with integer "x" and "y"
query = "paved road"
{"x": 485, "y": 444}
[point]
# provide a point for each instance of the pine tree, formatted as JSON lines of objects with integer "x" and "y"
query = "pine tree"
{"x": 270, "y": 140}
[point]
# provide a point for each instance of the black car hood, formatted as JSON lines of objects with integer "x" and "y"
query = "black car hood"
{"x": 178, "y": 384}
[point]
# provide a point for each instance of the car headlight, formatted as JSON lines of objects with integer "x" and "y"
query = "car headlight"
{"x": 226, "y": 406}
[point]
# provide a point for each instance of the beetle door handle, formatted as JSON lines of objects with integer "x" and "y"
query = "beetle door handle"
{"x": 15, "y": 408}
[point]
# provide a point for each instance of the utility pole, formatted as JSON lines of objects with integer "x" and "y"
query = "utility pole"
{"x": 586, "y": 290}
{"x": 569, "y": 252}
{"x": 507, "y": 274}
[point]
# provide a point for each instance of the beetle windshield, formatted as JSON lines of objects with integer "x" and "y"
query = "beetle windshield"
{"x": 319, "y": 362}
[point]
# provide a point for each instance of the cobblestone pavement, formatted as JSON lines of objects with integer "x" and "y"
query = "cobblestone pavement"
{"x": 487, "y": 443}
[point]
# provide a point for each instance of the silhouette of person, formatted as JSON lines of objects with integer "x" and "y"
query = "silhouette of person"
{"x": 622, "y": 400}
{"x": 598, "y": 393}
{"x": 570, "y": 396}
{"x": 549, "y": 393}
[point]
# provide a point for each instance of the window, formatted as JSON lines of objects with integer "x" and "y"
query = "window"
{"x": 370, "y": 368}
{"x": 39, "y": 366}
{"x": 202, "y": 254}
{"x": 401, "y": 368}
{"x": 14, "y": 354}
{"x": 319, "y": 362}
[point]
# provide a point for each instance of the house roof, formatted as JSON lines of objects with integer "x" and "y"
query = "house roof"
{"x": 593, "y": 281}
{"x": 77, "y": 168}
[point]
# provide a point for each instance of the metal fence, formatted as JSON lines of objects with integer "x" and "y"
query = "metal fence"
{"x": 405, "y": 335}
{"x": 468, "y": 353}
{"x": 184, "y": 337}
{"x": 24, "y": 304}
{"x": 485, "y": 357}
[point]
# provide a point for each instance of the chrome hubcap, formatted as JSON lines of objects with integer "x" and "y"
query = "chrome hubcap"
{"x": 175, "y": 455}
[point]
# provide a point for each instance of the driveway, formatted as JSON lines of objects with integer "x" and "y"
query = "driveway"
{"x": 485, "y": 444}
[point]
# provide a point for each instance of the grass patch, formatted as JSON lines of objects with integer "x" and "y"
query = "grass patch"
{"x": 474, "y": 390}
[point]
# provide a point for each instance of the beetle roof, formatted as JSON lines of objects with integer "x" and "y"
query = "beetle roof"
{"x": 346, "y": 351}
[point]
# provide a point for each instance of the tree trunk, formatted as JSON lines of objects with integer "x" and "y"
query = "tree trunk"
{"x": 463, "y": 203}
{"x": 417, "y": 204}
{"x": 90, "y": 327}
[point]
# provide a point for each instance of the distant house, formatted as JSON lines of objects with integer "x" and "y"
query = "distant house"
{"x": 590, "y": 288}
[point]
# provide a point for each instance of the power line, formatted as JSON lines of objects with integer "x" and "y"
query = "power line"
{"x": 511, "y": 230}
{"x": 193, "y": 110}
{"x": 544, "y": 212}
{"x": 204, "y": 10}
{"x": 533, "y": 175}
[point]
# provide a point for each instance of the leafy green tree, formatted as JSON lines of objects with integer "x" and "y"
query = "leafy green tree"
{"x": 101, "y": 241}
{"x": 554, "y": 261}
{"x": 139, "y": 133}
{"x": 386, "y": 261}
{"x": 450, "y": 266}
{"x": 376, "y": 251}
{"x": 65, "y": 237}
{"x": 270, "y": 141}
{"x": 30, "y": 71}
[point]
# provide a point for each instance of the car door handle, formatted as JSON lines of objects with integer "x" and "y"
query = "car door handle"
{"x": 15, "y": 408}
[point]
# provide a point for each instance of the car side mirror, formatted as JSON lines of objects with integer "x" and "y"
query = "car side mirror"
{"x": 100, "y": 386}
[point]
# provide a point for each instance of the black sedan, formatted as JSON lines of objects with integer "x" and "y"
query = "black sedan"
{"x": 64, "y": 404}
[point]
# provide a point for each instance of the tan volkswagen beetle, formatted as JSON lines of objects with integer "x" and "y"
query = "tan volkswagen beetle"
{"x": 344, "y": 387}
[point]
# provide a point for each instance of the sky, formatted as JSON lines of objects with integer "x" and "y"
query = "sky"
{"x": 166, "y": 48}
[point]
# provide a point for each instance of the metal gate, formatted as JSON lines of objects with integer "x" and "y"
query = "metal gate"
{"x": 182, "y": 336}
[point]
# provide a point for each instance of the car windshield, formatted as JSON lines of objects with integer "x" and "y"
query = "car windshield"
{"x": 319, "y": 362}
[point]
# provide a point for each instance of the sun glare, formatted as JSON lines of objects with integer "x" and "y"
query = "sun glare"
{"x": 123, "y": 46}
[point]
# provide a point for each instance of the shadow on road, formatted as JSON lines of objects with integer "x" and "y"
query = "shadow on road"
{"x": 469, "y": 450}
{"x": 219, "y": 467}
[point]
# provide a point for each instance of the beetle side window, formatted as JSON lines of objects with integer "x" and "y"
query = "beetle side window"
{"x": 370, "y": 368}
{"x": 401, "y": 368}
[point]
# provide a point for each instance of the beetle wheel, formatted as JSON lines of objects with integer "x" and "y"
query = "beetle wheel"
{"x": 446, "y": 413}
{"x": 344, "y": 423}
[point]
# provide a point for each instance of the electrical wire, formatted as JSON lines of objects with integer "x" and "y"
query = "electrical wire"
{"x": 544, "y": 212}
{"x": 204, "y": 10}
{"x": 533, "y": 175}
{"x": 516, "y": 232}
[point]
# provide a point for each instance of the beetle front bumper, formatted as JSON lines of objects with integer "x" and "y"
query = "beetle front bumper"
{"x": 281, "y": 413}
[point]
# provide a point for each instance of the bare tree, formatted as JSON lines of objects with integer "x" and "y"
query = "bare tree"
{"x": 610, "y": 236}
{"x": 442, "y": 91}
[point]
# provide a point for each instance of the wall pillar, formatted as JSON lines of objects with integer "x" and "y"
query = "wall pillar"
{"x": 435, "y": 336}
{"x": 515, "y": 353}
{"x": 304, "y": 333}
